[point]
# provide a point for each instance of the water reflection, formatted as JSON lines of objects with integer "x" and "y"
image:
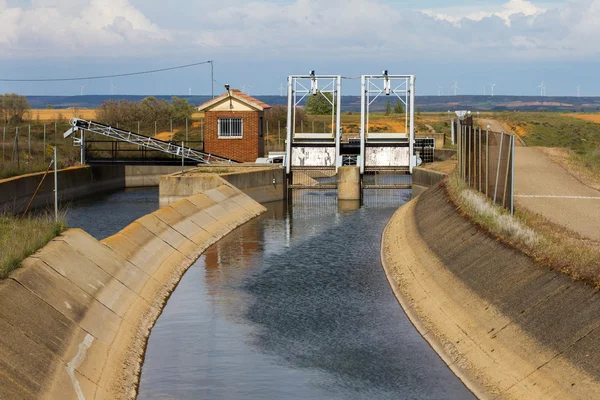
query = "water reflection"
{"x": 293, "y": 305}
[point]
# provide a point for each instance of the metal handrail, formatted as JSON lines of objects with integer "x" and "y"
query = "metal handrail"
{"x": 144, "y": 141}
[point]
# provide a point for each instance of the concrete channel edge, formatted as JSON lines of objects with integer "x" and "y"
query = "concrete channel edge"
{"x": 76, "y": 318}
{"x": 506, "y": 327}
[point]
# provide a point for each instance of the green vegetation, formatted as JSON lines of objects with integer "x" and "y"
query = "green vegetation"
{"x": 20, "y": 238}
{"x": 399, "y": 107}
{"x": 146, "y": 112}
{"x": 319, "y": 104}
{"x": 548, "y": 244}
{"x": 558, "y": 130}
{"x": 13, "y": 108}
{"x": 388, "y": 107}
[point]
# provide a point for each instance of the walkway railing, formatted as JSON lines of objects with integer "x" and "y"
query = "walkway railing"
{"x": 486, "y": 162}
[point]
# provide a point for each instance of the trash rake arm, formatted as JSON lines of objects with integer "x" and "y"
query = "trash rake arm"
{"x": 144, "y": 141}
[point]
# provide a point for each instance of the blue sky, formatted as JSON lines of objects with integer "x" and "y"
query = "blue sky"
{"x": 515, "y": 44}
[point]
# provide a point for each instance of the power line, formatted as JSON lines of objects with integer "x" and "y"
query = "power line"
{"x": 87, "y": 78}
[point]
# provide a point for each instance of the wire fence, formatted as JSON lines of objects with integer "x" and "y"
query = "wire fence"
{"x": 486, "y": 163}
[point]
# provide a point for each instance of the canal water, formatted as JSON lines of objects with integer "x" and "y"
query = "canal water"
{"x": 104, "y": 215}
{"x": 294, "y": 305}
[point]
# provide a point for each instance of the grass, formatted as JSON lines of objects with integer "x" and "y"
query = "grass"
{"x": 548, "y": 244}
{"x": 545, "y": 129}
{"x": 20, "y": 238}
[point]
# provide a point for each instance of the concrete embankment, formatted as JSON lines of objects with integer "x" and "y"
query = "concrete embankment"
{"x": 75, "y": 319}
{"x": 262, "y": 183}
{"x": 509, "y": 328}
{"x": 76, "y": 183}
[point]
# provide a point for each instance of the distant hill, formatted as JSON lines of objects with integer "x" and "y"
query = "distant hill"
{"x": 352, "y": 103}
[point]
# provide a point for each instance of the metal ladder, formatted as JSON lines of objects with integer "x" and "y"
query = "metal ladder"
{"x": 144, "y": 141}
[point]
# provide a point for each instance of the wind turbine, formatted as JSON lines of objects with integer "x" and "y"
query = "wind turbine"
{"x": 189, "y": 91}
{"x": 81, "y": 90}
{"x": 485, "y": 90}
{"x": 112, "y": 88}
{"x": 455, "y": 87}
{"x": 249, "y": 87}
{"x": 492, "y": 85}
{"x": 439, "y": 91}
{"x": 281, "y": 90}
{"x": 578, "y": 91}
{"x": 542, "y": 88}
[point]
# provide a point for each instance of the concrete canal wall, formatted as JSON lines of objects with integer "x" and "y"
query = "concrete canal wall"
{"x": 509, "y": 328}
{"x": 262, "y": 183}
{"x": 74, "y": 321}
{"x": 76, "y": 183}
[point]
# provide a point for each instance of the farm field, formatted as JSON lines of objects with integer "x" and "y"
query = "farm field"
{"x": 45, "y": 115}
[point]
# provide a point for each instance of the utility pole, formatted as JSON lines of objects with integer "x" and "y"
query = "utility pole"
{"x": 212, "y": 78}
{"x": 55, "y": 188}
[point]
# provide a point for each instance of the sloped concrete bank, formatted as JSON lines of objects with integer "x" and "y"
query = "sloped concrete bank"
{"x": 507, "y": 327}
{"x": 74, "y": 321}
{"x": 75, "y": 183}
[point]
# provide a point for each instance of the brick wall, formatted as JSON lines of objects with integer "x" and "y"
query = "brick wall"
{"x": 246, "y": 149}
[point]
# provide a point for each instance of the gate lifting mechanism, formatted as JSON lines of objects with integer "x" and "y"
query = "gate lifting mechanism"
{"x": 140, "y": 140}
{"x": 314, "y": 150}
{"x": 390, "y": 151}
{"x": 393, "y": 150}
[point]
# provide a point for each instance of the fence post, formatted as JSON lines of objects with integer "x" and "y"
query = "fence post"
{"x": 3, "y": 141}
{"x": 459, "y": 153}
{"x": 279, "y": 132}
{"x": 28, "y": 145}
{"x": 452, "y": 130}
{"x": 202, "y": 132}
{"x": 487, "y": 159}
{"x": 469, "y": 143}
{"x": 16, "y": 149}
{"x": 55, "y": 130}
{"x": 479, "y": 159}
{"x": 498, "y": 168}
{"x": 138, "y": 127}
{"x": 509, "y": 154}
{"x": 267, "y": 127}
{"x": 55, "y": 188}
{"x": 186, "y": 130}
{"x": 313, "y": 126}
{"x": 155, "y": 132}
{"x": 171, "y": 129}
{"x": 182, "y": 158}
{"x": 512, "y": 178}
{"x": 44, "y": 142}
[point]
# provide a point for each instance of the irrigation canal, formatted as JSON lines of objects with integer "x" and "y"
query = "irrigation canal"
{"x": 292, "y": 305}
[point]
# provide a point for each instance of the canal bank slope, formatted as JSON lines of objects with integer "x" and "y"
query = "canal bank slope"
{"x": 74, "y": 321}
{"x": 507, "y": 327}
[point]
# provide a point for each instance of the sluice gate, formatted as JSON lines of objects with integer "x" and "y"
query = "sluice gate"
{"x": 385, "y": 159}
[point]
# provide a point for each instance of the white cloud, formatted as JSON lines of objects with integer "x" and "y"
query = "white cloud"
{"x": 505, "y": 12}
{"x": 53, "y": 26}
{"x": 299, "y": 29}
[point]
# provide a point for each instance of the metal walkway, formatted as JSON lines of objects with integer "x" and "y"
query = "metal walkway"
{"x": 141, "y": 140}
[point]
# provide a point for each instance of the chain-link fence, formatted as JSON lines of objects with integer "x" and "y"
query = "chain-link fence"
{"x": 486, "y": 163}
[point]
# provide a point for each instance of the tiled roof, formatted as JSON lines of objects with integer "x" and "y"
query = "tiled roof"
{"x": 239, "y": 95}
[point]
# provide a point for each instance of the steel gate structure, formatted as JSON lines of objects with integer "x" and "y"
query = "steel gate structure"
{"x": 313, "y": 158}
{"x": 385, "y": 159}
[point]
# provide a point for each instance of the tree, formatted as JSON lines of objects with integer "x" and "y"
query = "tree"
{"x": 388, "y": 108}
{"x": 14, "y": 108}
{"x": 399, "y": 108}
{"x": 319, "y": 104}
{"x": 181, "y": 109}
{"x": 419, "y": 111}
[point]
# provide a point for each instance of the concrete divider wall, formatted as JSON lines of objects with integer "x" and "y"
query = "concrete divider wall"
{"x": 263, "y": 184}
{"x": 77, "y": 183}
{"x": 508, "y": 327}
{"x": 75, "y": 319}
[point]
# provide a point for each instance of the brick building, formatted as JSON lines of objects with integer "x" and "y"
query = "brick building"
{"x": 233, "y": 126}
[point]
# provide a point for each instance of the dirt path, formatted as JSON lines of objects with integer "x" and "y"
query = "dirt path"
{"x": 546, "y": 188}
{"x": 498, "y": 126}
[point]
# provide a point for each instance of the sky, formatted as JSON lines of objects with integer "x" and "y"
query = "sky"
{"x": 256, "y": 44}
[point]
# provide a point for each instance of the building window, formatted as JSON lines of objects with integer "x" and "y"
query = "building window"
{"x": 230, "y": 127}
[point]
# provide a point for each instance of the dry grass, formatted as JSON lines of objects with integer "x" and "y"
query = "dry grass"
{"x": 587, "y": 117}
{"x": 20, "y": 238}
{"x": 44, "y": 115}
{"x": 548, "y": 244}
